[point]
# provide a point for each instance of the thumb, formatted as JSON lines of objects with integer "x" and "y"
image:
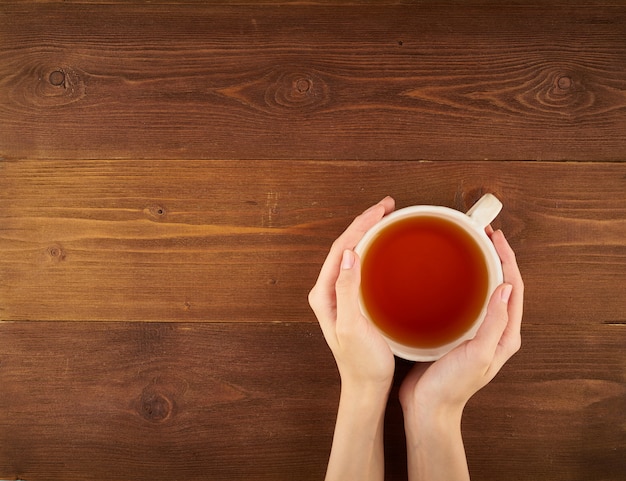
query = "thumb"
{"x": 347, "y": 287}
{"x": 496, "y": 319}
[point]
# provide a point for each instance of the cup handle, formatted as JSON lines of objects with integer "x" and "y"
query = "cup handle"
{"x": 485, "y": 210}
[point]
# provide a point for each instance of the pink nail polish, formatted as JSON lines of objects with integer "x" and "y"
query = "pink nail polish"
{"x": 370, "y": 209}
{"x": 506, "y": 293}
{"x": 347, "y": 261}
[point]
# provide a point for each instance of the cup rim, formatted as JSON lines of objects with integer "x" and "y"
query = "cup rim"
{"x": 494, "y": 269}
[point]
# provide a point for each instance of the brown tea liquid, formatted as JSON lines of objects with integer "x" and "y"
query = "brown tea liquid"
{"x": 424, "y": 281}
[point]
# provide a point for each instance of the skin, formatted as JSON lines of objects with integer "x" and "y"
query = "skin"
{"x": 433, "y": 395}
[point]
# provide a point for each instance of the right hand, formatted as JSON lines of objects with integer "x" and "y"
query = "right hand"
{"x": 452, "y": 380}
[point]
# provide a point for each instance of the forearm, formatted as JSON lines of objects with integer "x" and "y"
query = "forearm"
{"x": 435, "y": 450}
{"x": 357, "y": 450}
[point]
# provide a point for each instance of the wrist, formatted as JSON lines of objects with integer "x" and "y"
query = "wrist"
{"x": 435, "y": 444}
{"x": 357, "y": 451}
{"x": 365, "y": 395}
{"x": 445, "y": 417}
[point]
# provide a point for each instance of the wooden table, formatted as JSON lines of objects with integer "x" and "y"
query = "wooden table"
{"x": 172, "y": 174}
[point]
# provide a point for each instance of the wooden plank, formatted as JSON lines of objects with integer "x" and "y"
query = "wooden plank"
{"x": 405, "y": 82}
{"x": 164, "y": 401}
{"x": 564, "y": 389}
{"x": 237, "y": 383}
{"x": 242, "y": 241}
{"x": 215, "y": 401}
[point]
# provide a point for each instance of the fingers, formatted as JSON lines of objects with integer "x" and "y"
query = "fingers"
{"x": 512, "y": 276}
{"x": 490, "y": 332}
{"x": 498, "y": 338}
{"x": 321, "y": 297}
{"x": 510, "y": 268}
{"x": 360, "y": 225}
{"x": 347, "y": 288}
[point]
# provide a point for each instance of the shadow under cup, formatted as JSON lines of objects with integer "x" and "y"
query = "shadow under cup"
{"x": 427, "y": 273}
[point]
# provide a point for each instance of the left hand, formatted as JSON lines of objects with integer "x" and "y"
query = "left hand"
{"x": 362, "y": 355}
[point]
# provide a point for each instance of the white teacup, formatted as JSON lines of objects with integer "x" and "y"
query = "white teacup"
{"x": 473, "y": 223}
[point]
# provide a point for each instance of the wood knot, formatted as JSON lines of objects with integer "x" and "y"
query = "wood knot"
{"x": 156, "y": 211}
{"x": 57, "y": 78}
{"x": 303, "y": 85}
{"x": 55, "y": 253}
{"x": 154, "y": 406}
{"x": 558, "y": 91}
{"x": 299, "y": 90}
{"x": 56, "y": 86}
{"x": 566, "y": 93}
{"x": 564, "y": 82}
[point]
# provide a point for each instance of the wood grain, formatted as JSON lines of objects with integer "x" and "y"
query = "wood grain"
{"x": 402, "y": 82}
{"x": 189, "y": 163}
{"x": 243, "y": 241}
{"x": 164, "y": 401}
{"x": 214, "y": 401}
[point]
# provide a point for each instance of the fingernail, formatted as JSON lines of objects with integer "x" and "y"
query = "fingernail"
{"x": 370, "y": 209}
{"x": 347, "y": 261}
{"x": 506, "y": 293}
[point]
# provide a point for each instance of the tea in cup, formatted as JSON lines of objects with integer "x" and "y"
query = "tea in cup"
{"x": 427, "y": 273}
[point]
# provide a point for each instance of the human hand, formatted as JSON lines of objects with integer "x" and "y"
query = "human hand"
{"x": 362, "y": 355}
{"x": 450, "y": 382}
{"x": 364, "y": 360}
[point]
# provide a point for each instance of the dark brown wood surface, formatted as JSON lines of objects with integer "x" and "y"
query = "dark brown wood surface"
{"x": 316, "y": 82}
{"x": 172, "y": 174}
{"x": 244, "y": 241}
